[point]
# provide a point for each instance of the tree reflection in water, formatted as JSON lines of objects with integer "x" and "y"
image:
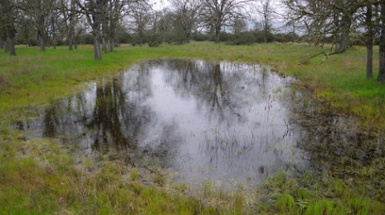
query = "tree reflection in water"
{"x": 204, "y": 120}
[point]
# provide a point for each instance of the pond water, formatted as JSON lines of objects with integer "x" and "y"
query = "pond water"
{"x": 222, "y": 121}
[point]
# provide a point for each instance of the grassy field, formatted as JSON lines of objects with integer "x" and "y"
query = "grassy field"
{"x": 39, "y": 176}
{"x": 32, "y": 76}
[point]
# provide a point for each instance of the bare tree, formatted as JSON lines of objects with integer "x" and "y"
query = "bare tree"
{"x": 166, "y": 27}
{"x": 55, "y": 21}
{"x": 339, "y": 18}
{"x": 267, "y": 15}
{"x": 313, "y": 15}
{"x": 139, "y": 16}
{"x": 186, "y": 16}
{"x": 68, "y": 9}
{"x": 40, "y": 12}
{"x": 322, "y": 18}
{"x": 93, "y": 10}
{"x": 114, "y": 13}
{"x": 217, "y": 13}
{"x": 344, "y": 12}
{"x": 239, "y": 25}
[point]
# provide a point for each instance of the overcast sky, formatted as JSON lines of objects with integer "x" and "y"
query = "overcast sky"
{"x": 276, "y": 5}
{"x": 160, "y": 4}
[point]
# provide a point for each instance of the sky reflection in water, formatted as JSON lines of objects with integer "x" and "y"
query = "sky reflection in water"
{"x": 204, "y": 120}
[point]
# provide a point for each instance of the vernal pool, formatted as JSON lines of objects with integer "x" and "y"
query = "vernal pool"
{"x": 202, "y": 120}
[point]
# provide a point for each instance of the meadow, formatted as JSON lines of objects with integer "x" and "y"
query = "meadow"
{"x": 339, "y": 79}
{"x": 39, "y": 176}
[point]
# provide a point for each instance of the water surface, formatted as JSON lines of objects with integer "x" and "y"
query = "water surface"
{"x": 221, "y": 121}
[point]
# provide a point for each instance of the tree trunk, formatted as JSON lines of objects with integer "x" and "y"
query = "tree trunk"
{"x": 41, "y": 33}
{"x": 70, "y": 42}
{"x": 53, "y": 32}
{"x": 104, "y": 25}
{"x": 369, "y": 42}
{"x": 265, "y": 37}
{"x": 188, "y": 37}
{"x": 93, "y": 12}
{"x": 76, "y": 43}
{"x": 369, "y": 60}
{"x": 140, "y": 36}
{"x": 217, "y": 35}
{"x": 11, "y": 44}
{"x": 3, "y": 38}
{"x": 10, "y": 28}
{"x": 112, "y": 29}
{"x": 40, "y": 26}
{"x": 104, "y": 43}
{"x": 70, "y": 38}
{"x": 111, "y": 44}
{"x": 381, "y": 72}
{"x": 76, "y": 38}
{"x": 111, "y": 41}
{"x": 41, "y": 42}
{"x": 6, "y": 46}
{"x": 71, "y": 29}
{"x": 97, "y": 50}
{"x": 26, "y": 36}
{"x": 342, "y": 42}
{"x": 97, "y": 33}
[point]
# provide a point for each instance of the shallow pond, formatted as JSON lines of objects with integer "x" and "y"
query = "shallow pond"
{"x": 227, "y": 122}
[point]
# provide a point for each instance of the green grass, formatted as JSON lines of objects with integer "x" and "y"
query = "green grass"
{"x": 40, "y": 176}
{"x": 32, "y": 76}
{"x": 310, "y": 195}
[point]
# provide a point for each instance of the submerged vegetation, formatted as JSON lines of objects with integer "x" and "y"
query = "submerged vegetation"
{"x": 42, "y": 176}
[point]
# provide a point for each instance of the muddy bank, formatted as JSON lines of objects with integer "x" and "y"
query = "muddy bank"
{"x": 338, "y": 145}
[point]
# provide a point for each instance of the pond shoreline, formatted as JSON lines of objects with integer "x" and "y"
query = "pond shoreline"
{"x": 205, "y": 121}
